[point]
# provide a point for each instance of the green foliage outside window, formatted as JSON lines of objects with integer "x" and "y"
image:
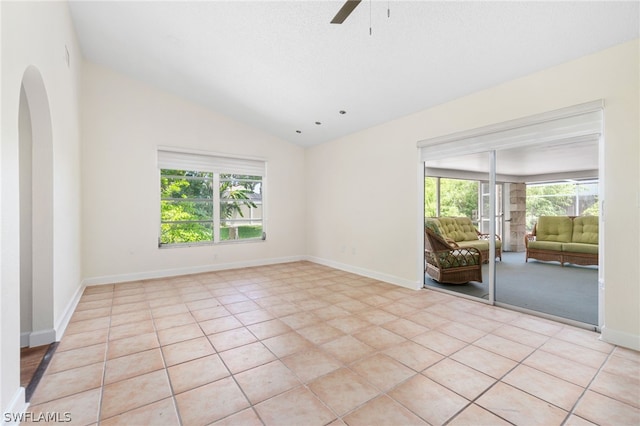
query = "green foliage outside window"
{"x": 594, "y": 210}
{"x": 458, "y": 197}
{"x": 187, "y": 206}
{"x": 547, "y": 200}
{"x": 559, "y": 199}
{"x": 235, "y": 192}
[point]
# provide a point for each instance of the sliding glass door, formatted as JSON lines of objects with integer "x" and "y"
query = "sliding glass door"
{"x": 560, "y": 185}
{"x": 502, "y": 201}
{"x": 552, "y": 146}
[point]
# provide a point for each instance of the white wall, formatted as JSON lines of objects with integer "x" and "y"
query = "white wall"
{"x": 26, "y": 263}
{"x": 35, "y": 34}
{"x": 364, "y": 214}
{"x": 123, "y": 122}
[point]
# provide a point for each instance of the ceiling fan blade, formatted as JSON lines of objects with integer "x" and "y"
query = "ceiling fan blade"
{"x": 345, "y": 11}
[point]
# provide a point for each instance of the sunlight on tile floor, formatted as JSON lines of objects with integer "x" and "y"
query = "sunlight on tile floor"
{"x": 304, "y": 344}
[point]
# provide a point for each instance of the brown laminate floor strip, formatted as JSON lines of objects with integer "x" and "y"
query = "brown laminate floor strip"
{"x": 33, "y": 364}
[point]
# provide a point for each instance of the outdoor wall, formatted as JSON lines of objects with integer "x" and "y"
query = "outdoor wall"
{"x": 518, "y": 216}
{"x": 34, "y": 36}
{"x": 124, "y": 121}
{"x": 365, "y": 214}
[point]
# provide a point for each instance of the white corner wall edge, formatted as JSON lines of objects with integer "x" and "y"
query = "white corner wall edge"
{"x": 16, "y": 409}
{"x": 62, "y": 324}
{"x": 412, "y": 285}
{"x": 44, "y": 337}
{"x": 620, "y": 338}
{"x": 163, "y": 273}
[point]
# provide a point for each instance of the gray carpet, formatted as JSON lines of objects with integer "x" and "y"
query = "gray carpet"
{"x": 569, "y": 292}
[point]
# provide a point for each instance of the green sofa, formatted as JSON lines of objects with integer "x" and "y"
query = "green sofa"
{"x": 460, "y": 232}
{"x": 565, "y": 239}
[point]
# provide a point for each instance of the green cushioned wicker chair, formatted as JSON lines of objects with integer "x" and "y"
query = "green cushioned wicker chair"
{"x": 460, "y": 232}
{"x": 451, "y": 265}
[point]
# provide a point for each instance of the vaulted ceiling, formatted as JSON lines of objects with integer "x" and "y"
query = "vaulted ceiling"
{"x": 281, "y": 66}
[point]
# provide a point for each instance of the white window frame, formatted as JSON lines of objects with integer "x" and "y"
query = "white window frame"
{"x": 217, "y": 164}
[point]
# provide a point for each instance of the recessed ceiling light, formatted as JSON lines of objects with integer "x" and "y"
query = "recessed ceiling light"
{"x": 318, "y": 123}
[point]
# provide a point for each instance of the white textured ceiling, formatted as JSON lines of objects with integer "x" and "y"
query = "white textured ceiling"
{"x": 281, "y": 66}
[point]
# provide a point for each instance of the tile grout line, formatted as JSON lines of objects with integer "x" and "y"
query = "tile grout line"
{"x": 104, "y": 367}
{"x": 248, "y": 287}
{"x": 231, "y": 374}
{"x": 302, "y": 384}
{"x": 587, "y": 388}
{"x": 166, "y": 368}
{"x": 539, "y": 348}
{"x": 520, "y": 363}
{"x": 495, "y": 380}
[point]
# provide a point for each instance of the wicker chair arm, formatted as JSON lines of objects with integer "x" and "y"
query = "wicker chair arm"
{"x": 528, "y": 238}
{"x": 482, "y": 236}
{"x": 455, "y": 258}
{"x": 452, "y": 243}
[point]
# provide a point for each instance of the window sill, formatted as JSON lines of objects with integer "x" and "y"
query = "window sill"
{"x": 211, "y": 244}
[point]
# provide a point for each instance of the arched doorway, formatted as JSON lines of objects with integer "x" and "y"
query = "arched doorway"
{"x": 36, "y": 212}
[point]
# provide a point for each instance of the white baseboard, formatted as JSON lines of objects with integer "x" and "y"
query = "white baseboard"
{"x": 63, "y": 322}
{"x": 42, "y": 337}
{"x": 24, "y": 339}
{"x": 391, "y": 279}
{"x": 162, "y": 273}
{"x": 11, "y": 415}
{"x": 620, "y": 338}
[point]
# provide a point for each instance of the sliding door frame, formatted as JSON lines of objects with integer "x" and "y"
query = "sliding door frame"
{"x": 574, "y": 124}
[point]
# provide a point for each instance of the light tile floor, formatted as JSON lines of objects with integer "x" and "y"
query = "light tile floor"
{"x": 304, "y": 344}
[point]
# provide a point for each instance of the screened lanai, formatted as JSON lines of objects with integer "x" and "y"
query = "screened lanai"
{"x": 504, "y": 192}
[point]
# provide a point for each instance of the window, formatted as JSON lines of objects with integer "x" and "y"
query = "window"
{"x": 203, "y": 201}
{"x": 573, "y": 198}
{"x": 462, "y": 197}
{"x": 240, "y": 207}
{"x": 458, "y": 197}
